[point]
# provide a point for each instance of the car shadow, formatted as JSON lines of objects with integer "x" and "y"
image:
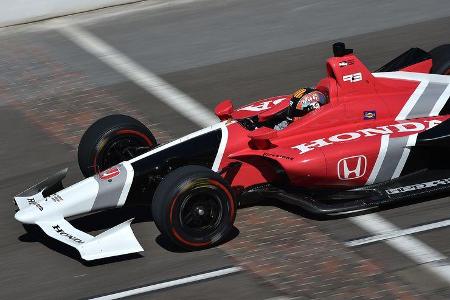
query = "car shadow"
{"x": 102, "y": 220}
{"x": 35, "y": 234}
{"x": 109, "y": 218}
{"x": 317, "y": 217}
{"x": 168, "y": 245}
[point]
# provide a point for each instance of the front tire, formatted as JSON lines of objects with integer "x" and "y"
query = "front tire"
{"x": 194, "y": 207}
{"x": 111, "y": 140}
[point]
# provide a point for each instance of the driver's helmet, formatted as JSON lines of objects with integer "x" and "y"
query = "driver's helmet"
{"x": 305, "y": 100}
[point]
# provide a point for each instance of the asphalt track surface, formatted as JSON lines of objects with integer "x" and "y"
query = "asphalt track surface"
{"x": 210, "y": 50}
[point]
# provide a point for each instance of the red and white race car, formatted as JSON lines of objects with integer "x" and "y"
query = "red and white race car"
{"x": 382, "y": 137}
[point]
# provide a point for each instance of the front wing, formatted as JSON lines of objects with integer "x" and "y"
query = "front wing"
{"x": 92, "y": 194}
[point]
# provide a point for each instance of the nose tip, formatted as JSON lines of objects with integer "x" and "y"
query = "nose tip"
{"x": 25, "y": 216}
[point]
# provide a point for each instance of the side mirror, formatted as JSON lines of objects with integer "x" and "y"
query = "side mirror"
{"x": 224, "y": 110}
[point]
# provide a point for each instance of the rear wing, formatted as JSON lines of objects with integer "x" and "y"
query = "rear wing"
{"x": 406, "y": 60}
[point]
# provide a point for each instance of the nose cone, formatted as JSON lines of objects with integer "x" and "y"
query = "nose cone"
{"x": 26, "y": 216}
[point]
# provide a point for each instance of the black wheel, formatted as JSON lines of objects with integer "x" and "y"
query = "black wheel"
{"x": 111, "y": 140}
{"x": 194, "y": 207}
{"x": 441, "y": 60}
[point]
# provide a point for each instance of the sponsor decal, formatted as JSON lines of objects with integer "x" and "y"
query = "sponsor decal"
{"x": 263, "y": 106}
{"x": 352, "y": 77}
{"x": 367, "y": 132}
{"x": 370, "y": 115}
{"x": 419, "y": 186}
{"x": 56, "y": 198}
{"x": 109, "y": 174}
{"x": 352, "y": 167}
{"x": 277, "y": 156}
{"x": 31, "y": 201}
{"x": 346, "y": 63}
{"x": 61, "y": 232}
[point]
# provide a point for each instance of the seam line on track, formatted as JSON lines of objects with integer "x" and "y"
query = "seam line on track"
{"x": 165, "y": 92}
{"x": 416, "y": 250}
{"x": 397, "y": 233}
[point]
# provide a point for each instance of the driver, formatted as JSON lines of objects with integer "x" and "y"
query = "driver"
{"x": 302, "y": 102}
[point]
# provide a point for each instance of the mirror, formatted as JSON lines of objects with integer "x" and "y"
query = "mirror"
{"x": 224, "y": 110}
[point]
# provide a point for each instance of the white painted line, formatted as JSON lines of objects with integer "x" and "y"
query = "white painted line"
{"x": 401, "y": 232}
{"x": 411, "y": 247}
{"x": 166, "y": 93}
{"x": 169, "y": 284}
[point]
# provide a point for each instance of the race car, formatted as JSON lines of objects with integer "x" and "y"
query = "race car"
{"x": 380, "y": 138}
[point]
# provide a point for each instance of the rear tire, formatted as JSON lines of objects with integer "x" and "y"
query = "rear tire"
{"x": 441, "y": 60}
{"x": 194, "y": 207}
{"x": 111, "y": 140}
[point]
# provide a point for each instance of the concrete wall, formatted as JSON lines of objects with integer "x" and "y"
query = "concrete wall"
{"x": 22, "y": 11}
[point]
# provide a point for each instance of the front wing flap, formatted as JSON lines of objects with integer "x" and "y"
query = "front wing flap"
{"x": 118, "y": 240}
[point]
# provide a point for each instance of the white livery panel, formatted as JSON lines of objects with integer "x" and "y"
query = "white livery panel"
{"x": 108, "y": 189}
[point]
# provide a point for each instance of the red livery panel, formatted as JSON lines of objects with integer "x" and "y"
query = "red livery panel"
{"x": 363, "y": 135}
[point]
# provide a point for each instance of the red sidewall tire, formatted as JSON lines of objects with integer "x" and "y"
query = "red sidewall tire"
{"x": 177, "y": 191}
{"x": 100, "y": 135}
